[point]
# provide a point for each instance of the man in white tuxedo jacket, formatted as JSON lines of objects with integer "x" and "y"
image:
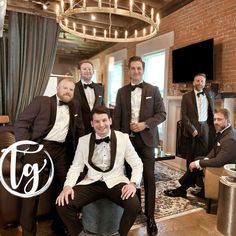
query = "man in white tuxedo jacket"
{"x": 104, "y": 154}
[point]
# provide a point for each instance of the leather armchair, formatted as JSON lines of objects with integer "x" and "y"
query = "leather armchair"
{"x": 211, "y": 182}
{"x": 10, "y": 205}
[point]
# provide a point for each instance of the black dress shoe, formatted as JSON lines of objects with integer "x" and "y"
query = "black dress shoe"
{"x": 151, "y": 227}
{"x": 177, "y": 192}
{"x": 199, "y": 193}
{"x": 61, "y": 229}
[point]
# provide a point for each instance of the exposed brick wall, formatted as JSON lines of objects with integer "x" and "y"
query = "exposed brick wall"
{"x": 201, "y": 20}
{"x": 197, "y": 21}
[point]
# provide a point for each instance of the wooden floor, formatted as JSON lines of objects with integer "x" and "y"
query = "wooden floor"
{"x": 195, "y": 224}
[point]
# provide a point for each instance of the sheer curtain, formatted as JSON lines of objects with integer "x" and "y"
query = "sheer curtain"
{"x": 32, "y": 43}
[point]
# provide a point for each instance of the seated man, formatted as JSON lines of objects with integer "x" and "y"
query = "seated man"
{"x": 223, "y": 152}
{"x": 104, "y": 153}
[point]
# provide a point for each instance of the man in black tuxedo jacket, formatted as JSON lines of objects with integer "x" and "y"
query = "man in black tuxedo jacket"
{"x": 139, "y": 109}
{"x": 197, "y": 109}
{"x": 88, "y": 93}
{"x": 223, "y": 153}
{"x": 56, "y": 123}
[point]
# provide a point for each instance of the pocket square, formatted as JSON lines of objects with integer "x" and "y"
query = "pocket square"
{"x": 218, "y": 144}
{"x": 148, "y": 97}
{"x": 99, "y": 96}
{"x": 75, "y": 115}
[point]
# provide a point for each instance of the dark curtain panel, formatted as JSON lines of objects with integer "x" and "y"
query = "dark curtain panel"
{"x": 31, "y": 53}
{"x": 3, "y": 74}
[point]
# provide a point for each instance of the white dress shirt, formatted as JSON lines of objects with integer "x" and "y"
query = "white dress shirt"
{"x": 90, "y": 95}
{"x": 136, "y": 96}
{"x": 202, "y": 107}
{"x": 60, "y": 128}
{"x": 102, "y": 155}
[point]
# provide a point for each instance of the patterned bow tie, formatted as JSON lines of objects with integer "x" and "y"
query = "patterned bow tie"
{"x": 200, "y": 93}
{"x": 107, "y": 140}
{"x": 133, "y": 87}
{"x": 61, "y": 103}
{"x": 88, "y": 85}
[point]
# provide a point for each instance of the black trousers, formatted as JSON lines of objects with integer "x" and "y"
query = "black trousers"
{"x": 84, "y": 194}
{"x": 190, "y": 178}
{"x": 147, "y": 156}
{"x": 198, "y": 145}
{"x": 29, "y": 207}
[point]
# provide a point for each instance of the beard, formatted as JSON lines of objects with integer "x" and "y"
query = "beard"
{"x": 65, "y": 98}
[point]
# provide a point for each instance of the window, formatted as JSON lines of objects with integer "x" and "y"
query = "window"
{"x": 155, "y": 74}
{"x": 155, "y": 69}
{"x": 115, "y": 78}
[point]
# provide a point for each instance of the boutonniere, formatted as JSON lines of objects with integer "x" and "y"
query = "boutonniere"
{"x": 218, "y": 144}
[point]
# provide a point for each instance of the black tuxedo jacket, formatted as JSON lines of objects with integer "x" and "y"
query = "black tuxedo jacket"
{"x": 38, "y": 118}
{"x": 190, "y": 114}
{"x": 223, "y": 151}
{"x": 152, "y": 111}
{"x": 80, "y": 96}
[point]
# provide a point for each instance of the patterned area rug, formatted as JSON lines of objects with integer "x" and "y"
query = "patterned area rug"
{"x": 167, "y": 207}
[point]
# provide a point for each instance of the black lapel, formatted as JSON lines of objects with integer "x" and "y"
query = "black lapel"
{"x": 128, "y": 94}
{"x": 113, "y": 144}
{"x": 143, "y": 101}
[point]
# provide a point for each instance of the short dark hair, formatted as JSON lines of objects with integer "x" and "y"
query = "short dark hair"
{"x": 200, "y": 74}
{"x": 136, "y": 58}
{"x": 85, "y": 61}
{"x": 100, "y": 110}
{"x": 225, "y": 112}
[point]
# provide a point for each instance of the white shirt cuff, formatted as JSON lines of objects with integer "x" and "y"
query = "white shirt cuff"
{"x": 197, "y": 163}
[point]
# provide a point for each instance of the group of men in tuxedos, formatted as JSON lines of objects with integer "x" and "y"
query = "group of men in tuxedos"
{"x": 58, "y": 126}
{"x": 75, "y": 128}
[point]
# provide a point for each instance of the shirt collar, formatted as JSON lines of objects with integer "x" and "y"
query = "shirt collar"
{"x": 83, "y": 82}
{"x": 98, "y": 137}
{"x": 138, "y": 83}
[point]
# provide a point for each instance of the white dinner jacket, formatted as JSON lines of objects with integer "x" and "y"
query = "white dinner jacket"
{"x": 124, "y": 151}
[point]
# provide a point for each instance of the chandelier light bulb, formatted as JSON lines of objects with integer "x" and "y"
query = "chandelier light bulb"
{"x": 143, "y": 9}
{"x": 71, "y": 4}
{"x": 94, "y": 32}
{"x": 144, "y": 31}
{"x": 74, "y": 26}
{"x": 126, "y": 34}
{"x": 157, "y": 19}
{"x": 84, "y": 3}
{"x": 152, "y": 13}
{"x": 84, "y": 29}
{"x": 135, "y": 33}
{"x": 99, "y": 3}
{"x": 131, "y": 5}
{"x": 115, "y": 4}
{"x": 116, "y": 33}
{"x": 62, "y": 6}
{"x": 105, "y": 33}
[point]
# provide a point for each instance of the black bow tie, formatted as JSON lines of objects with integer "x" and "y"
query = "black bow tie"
{"x": 200, "y": 93}
{"x": 88, "y": 85}
{"x": 133, "y": 87}
{"x": 98, "y": 141}
{"x": 61, "y": 103}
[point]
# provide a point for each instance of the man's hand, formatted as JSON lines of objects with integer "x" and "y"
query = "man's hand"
{"x": 64, "y": 196}
{"x": 137, "y": 126}
{"x": 195, "y": 133}
{"x": 192, "y": 166}
{"x": 127, "y": 191}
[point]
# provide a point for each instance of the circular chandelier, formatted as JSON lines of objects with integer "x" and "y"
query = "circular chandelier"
{"x": 69, "y": 21}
